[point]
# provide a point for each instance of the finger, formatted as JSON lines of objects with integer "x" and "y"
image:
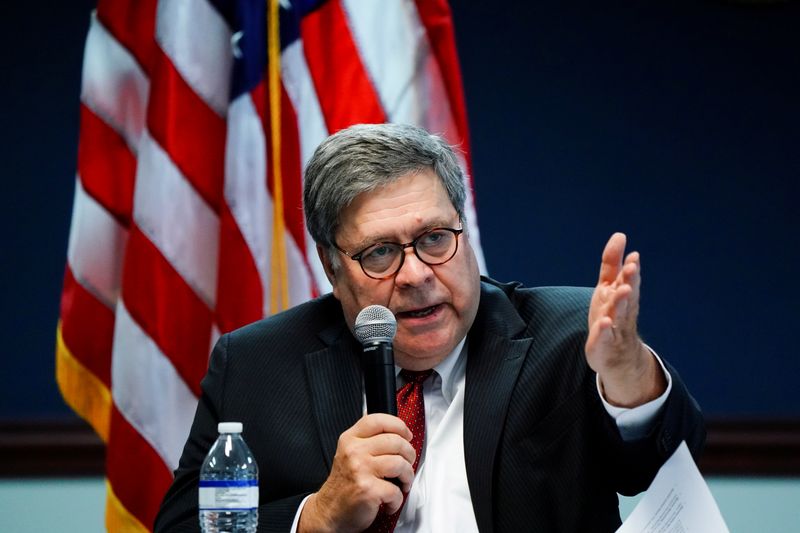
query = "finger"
{"x": 599, "y": 334}
{"x": 632, "y": 257}
{"x": 613, "y": 322}
{"x": 620, "y": 324}
{"x": 631, "y": 311}
{"x": 630, "y": 268}
{"x": 394, "y": 467}
{"x": 609, "y": 306}
{"x": 596, "y": 328}
{"x": 391, "y": 444}
{"x": 388, "y": 469}
{"x": 630, "y": 276}
{"x": 634, "y": 275}
{"x": 377, "y": 423}
{"x": 611, "y": 261}
{"x": 391, "y": 496}
{"x": 620, "y": 304}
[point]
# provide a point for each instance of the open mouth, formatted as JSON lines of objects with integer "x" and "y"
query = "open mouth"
{"x": 418, "y": 313}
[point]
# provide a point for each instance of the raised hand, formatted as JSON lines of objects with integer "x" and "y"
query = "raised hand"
{"x": 374, "y": 450}
{"x": 629, "y": 373}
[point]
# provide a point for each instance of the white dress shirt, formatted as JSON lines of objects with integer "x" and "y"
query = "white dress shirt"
{"x": 439, "y": 499}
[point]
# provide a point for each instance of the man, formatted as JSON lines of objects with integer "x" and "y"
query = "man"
{"x": 542, "y": 403}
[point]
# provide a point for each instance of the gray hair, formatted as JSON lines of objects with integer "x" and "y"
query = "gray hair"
{"x": 365, "y": 157}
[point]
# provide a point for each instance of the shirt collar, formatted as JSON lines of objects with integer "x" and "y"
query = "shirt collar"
{"x": 450, "y": 370}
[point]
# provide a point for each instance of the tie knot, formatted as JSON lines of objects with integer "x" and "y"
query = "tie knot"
{"x": 412, "y": 376}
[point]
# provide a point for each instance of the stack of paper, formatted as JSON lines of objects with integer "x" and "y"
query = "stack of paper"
{"x": 678, "y": 501}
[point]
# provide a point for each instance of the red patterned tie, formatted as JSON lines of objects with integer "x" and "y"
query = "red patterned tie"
{"x": 411, "y": 410}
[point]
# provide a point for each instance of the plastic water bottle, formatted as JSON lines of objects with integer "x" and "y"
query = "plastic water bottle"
{"x": 228, "y": 494}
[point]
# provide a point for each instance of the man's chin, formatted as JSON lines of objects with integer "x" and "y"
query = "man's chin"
{"x": 420, "y": 357}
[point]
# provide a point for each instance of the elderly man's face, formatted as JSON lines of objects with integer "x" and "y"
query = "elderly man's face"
{"x": 434, "y": 305}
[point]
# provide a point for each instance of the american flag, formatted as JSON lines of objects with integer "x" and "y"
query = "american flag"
{"x": 197, "y": 118}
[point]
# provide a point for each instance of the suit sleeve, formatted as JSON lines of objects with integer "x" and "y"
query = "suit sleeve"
{"x": 179, "y": 510}
{"x": 634, "y": 463}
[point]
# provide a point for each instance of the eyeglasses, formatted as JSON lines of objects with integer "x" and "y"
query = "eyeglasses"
{"x": 383, "y": 260}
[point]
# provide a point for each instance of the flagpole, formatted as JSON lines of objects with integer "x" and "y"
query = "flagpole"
{"x": 279, "y": 286}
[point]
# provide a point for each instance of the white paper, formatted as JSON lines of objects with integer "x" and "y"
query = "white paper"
{"x": 678, "y": 501}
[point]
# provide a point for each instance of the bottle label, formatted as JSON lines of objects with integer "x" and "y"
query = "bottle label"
{"x": 228, "y": 495}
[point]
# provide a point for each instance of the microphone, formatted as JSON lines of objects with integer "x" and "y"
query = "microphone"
{"x": 375, "y": 328}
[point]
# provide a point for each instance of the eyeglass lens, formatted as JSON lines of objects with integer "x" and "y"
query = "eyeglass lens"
{"x": 433, "y": 247}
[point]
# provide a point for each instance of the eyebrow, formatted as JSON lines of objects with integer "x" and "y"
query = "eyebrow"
{"x": 369, "y": 241}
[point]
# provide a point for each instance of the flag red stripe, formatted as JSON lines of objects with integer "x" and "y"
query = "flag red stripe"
{"x": 190, "y": 131}
{"x": 345, "y": 92}
{"x": 260, "y": 103}
{"x": 438, "y": 21}
{"x": 129, "y": 458}
{"x": 133, "y": 24}
{"x": 167, "y": 309}
{"x": 290, "y": 160}
{"x": 107, "y": 166}
{"x": 239, "y": 291}
{"x": 290, "y": 167}
{"x": 87, "y": 327}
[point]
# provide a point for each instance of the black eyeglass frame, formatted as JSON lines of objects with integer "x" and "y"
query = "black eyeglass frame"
{"x": 413, "y": 244}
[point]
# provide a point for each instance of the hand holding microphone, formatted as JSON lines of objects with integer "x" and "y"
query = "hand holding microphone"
{"x": 374, "y": 457}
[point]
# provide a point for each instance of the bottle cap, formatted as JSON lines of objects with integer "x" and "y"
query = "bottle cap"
{"x": 229, "y": 427}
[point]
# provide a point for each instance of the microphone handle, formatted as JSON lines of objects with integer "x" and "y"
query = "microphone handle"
{"x": 377, "y": 361}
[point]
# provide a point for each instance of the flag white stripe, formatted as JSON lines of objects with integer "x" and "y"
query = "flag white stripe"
{"x": 250, "y": 202}
{"x": 246, "y": 182}
{"x": 312, "y": 130}
{"x": 148, "y": 391}
{"x": 299, "y": 276}
{"x": 177, "y": 220}
{"x": 300, "y": 88}
{"x": 198, "y": 41}
{"x": 96, "y": 247}
{"x": 113, "y": 86}
{"x": 472, "y": 224}
{"x": 409, "y": 85}
{"x": 384, "y": 33}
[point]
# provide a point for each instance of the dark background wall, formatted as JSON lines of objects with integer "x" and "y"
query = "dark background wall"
{"x": 676, "y": 122}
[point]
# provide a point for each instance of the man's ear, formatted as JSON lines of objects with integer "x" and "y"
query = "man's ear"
{"x": 327, "y": 265}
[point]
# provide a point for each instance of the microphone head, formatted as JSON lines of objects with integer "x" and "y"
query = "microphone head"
{"x": 375, "y": 323}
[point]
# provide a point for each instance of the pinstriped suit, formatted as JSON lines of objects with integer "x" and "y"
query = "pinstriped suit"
{"x": 541, "y": 453}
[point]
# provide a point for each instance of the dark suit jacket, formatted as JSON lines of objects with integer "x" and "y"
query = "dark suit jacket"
{"x": 541, "y": 453}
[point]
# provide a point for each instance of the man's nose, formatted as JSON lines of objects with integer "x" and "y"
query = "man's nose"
{"x": 413, "y": 272}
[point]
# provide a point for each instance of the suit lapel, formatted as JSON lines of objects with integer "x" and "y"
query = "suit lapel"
{"x": 334, "y": 378}
{"x": 493, "y": 363}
